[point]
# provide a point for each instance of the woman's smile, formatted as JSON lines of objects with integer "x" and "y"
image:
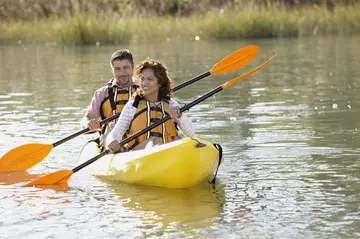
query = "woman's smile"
{"x": 149, "y": 83}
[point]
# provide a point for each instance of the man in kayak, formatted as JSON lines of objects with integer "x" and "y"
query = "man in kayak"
{"x": 111, "y": 98}
{"x": 151, "y": 102}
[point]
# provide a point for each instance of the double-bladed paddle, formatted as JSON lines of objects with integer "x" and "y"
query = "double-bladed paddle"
{"x": 28, "y": 155}
{"x": 62, "y": 176}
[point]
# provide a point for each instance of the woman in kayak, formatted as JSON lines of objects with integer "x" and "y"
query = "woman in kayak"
{"x": 150, "y": 103}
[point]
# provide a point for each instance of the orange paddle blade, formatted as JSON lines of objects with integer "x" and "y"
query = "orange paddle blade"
{"x": 236, "y": 60}
{"x": 24, "y": 157}
{"x": 229, "y": 83}
{"x": 59, "y": 177}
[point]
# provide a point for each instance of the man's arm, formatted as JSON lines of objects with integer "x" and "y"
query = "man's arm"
{"x": 92, "y": 114}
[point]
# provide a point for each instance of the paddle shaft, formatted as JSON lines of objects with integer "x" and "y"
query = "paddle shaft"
{"x": 134, "y": 136}
{"x": 189, "y": 82}
{"x": 84, "y": 131}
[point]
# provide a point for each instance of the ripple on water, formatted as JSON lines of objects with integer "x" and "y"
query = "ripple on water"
{"x": 20, "y": 94}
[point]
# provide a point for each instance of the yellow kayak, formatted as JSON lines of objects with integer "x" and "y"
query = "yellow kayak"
{"x": 180, "y": 164}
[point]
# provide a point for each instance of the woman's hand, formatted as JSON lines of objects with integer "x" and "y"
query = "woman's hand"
{"x": 175, "y": 113}
{"x": 114, "y": 147}
{"x": 111, "y": 125}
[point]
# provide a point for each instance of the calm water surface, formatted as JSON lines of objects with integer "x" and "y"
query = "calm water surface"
{"x": 290, "y": 134}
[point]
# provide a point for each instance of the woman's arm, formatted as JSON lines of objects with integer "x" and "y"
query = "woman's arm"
{"x": 122, "y": 124}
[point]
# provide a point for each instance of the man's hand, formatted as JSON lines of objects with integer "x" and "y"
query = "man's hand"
{"x": 93, "y": 124}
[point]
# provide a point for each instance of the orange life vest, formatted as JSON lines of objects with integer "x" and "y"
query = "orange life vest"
{"x": 148, "y": 113}
{"x": 115, "y": 101}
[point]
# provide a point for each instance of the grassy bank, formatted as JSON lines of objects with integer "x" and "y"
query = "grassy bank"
{"x": 217, "y": 24}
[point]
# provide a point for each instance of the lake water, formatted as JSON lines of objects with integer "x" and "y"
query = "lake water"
{"x": 290, "y": 135}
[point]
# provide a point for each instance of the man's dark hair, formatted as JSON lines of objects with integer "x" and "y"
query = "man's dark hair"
{"x": 123, "y": 54}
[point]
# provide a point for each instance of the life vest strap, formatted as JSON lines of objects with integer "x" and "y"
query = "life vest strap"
{"x": 156, "y": 134}
{"x": 145, "y": 109}
{"x": 121, "y": 102}
{"x": 111, "y": 96}
{"x": 156, "y": 108}
{"x": 122, "y": 91}
{"x": 154, "y": 120}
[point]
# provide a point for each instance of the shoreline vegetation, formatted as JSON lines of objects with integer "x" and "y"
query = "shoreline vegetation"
{"x": 99, "y": 22}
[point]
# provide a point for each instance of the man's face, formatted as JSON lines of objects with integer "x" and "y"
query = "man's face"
{"x": 123, "y": 72}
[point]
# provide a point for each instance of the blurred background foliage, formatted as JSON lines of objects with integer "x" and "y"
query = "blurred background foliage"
{"x": 38, "y": 9}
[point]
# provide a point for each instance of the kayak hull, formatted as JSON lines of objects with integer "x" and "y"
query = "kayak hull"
{"x": 179, "y": 164}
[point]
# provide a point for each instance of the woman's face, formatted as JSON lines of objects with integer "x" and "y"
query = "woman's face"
{"x": 149, "y": 83}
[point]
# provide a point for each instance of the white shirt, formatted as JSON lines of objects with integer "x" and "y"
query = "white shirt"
{"x": 127, "y": 116}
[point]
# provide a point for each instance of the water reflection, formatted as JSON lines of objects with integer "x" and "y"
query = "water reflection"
{"x": 11, "y": 185}
{"x": 16, "y": 177}
{"x": 166, "y": 209}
